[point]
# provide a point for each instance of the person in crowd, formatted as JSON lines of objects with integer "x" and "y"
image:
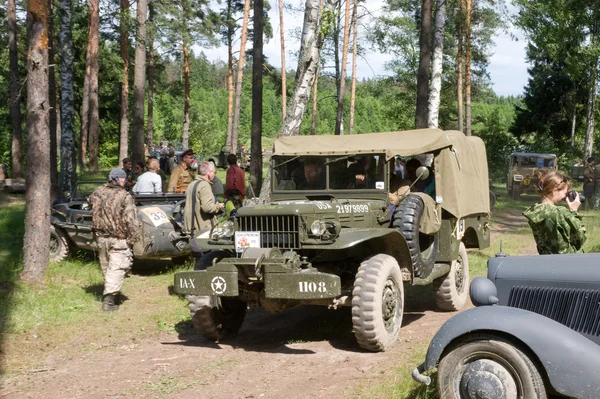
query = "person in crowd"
{"x": 588, "y": 182}
{"x": 171, "y": 162}
{"x": 183, "y": 174}
{"x": 399, "y": 169}
{"x": 127, "y": 168}
{"x": 218, "y": 188}
{"x": 150, "y": 182}
{"x": 200, "y": 215}
{"x": 556, "y": 229}
{"x": 115, "y": 221}
{"x": 235, "y": 179}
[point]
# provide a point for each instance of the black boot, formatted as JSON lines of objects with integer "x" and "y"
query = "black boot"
{"x": 109, "y": 303}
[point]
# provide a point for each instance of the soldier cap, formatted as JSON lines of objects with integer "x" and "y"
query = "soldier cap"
{"x": 590, "y": 159}
{"x": 116, "y": 174}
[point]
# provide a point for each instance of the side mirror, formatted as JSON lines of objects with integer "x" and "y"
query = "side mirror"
{"x": 422, "y": 173}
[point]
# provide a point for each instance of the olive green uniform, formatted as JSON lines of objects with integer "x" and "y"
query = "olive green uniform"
{"x": 181, "y": 177}
{"x": 556, "y": 229}
{"x": 206, "y": 208}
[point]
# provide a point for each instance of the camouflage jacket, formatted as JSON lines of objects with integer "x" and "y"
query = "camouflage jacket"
{"x": 114, "y": 213}
{"x": 556, "y": 229}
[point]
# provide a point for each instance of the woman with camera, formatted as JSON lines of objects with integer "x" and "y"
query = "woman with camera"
{"x": 556, "y": 229}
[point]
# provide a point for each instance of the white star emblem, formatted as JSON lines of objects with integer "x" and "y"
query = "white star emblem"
{"x": 218, "y": 285}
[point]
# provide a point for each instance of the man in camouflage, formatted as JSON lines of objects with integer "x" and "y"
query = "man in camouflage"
{"x": 116, "y": 226}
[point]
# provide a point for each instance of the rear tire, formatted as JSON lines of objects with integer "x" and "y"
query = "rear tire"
{"x": 493, "y": 199}
{"x": 451, "y": 291}
{"x": 422, "y": 247}
{"x": 377, "y": 303}
{"x": 59, "y": 244}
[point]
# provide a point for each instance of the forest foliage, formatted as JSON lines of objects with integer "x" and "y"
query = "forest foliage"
{"x": 382, "y": 103}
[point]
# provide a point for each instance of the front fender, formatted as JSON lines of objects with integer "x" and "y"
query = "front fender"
{"x": 571, "y": 361}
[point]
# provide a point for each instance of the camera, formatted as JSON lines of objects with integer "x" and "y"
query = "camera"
{"x": 573, "y": 194}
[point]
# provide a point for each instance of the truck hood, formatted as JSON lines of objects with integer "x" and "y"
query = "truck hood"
{"x": 304, "y": 207}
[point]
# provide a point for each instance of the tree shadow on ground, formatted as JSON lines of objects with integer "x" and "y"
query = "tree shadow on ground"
{"x": 266, "y": 332}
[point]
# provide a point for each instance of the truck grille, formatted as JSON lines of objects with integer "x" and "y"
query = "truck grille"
{"x": 276, "y": 231}
{"x": 578, "y": 309}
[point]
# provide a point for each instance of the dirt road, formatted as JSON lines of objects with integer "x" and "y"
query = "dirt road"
{"x": 307, "y": 352}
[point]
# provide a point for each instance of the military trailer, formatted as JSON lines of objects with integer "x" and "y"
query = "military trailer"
{"x": 341, "y": 239}
{"x": 534, "y": 334}
{"x": 524, "y": 172}
{"x": 160, "y": 216}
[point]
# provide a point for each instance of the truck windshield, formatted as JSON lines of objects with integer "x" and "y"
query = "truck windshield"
{"x": 309, "y": 173}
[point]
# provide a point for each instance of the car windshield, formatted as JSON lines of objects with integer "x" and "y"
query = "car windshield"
{"x": 536, "y": 162}
{"x": 308, "y": 173}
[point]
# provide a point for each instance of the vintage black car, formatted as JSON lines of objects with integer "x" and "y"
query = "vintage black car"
{"x": 161, "y": 218}
{"x": 534, "y": 334}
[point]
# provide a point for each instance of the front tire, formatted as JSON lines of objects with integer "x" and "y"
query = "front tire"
{"x": 488, "y": 366}
{"x": 377, "y": 303}
{"x": 217, "y": 317}
{"x": 516, "y": 191}
{"x": 451, "y": 291}
{"x": 59, "y": 244}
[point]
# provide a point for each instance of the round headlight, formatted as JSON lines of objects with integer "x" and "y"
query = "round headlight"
{"x": 228, "y": 228}
{"x": 318, "y": 227}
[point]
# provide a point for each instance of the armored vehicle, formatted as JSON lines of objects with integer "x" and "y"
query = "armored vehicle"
{"x": 524, "y": 172}
{"x": 340, "y": 230}
{"x": 160, "y": 217}
{"x": 534, "y": 334}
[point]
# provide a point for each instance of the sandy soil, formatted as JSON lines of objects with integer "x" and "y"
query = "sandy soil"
{"x": 300, "y": 353}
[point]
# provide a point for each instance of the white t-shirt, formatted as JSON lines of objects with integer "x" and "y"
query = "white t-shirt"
{"x": 148, "y": 183}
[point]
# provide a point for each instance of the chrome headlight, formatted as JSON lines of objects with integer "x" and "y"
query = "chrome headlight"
{"x": 318, "y": 227}
{"x": 228, "y": 228}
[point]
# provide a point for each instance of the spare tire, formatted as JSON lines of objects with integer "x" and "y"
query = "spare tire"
{"x": 422, "y": 247}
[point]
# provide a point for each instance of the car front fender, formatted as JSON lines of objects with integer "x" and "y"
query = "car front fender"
{"x": 571, "y": 361}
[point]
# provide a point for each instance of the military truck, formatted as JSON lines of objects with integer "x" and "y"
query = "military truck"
{"x": 341, "y": 239}
{"x": 524, "y": 171}
{"x": 220, "y": 159}
{"x": 160, "y": 216}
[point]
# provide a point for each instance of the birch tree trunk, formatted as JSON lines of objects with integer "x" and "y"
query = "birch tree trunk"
{"x": 573, "y": 126}
{"x": 94, "y": 132}
{"x": 313, "y": 125}
{"x": 310, "y": 50}
{"x": 468, "y": 67}
{"x": 52, "y": 103}
{"x": 283, "y": 69}
{"x": 15, "y": 107}
{"x": 590, "y": 112}
{"x": 185, "y": 136}
{"x": 340, "y": 107}
{"x": 459, "y": 67}
{"x": 240, "y": 79}
{"x": 85, "y": 104}
{"x": 150, "y": 57}
{"x": 36, "y": 241}
{"x": 124, "y": 112}
{"x": 230, "y": 88}
{"x": 435, "y": 87}
{"x": 139, "y": 80}
{"x": 257, "y": 96}
{"x": 424, "y": 64}
{"x": 68, "y": 166}
{"x": 354, "y": 50}
{"x": 308, "y": 61}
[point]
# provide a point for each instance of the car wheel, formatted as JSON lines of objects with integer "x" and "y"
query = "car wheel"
{"x": 217, "y": 317}
{"x": 422, "y": 247}
{"x": 516, "y": 192}
{"x": 377, "y": 303}
{"x": 451, "y": 291}
{"x": 59, "y": 244}
{"x": 485, "y": 366}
